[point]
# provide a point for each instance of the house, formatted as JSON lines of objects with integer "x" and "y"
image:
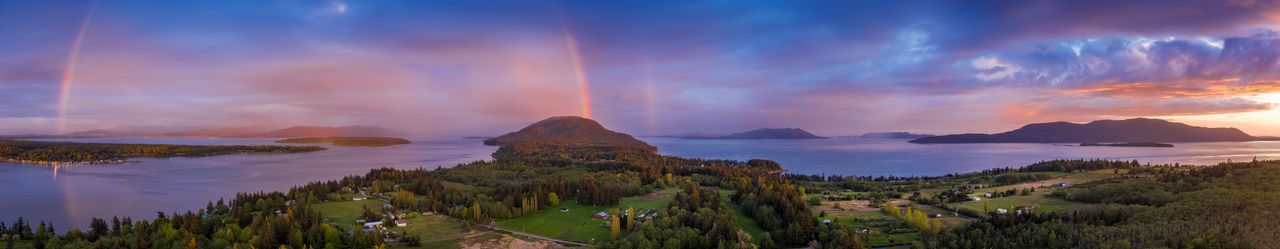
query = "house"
{"x": 977, "y": 199}
{"x": 601, "y": 215}
{"x": 358, "y": 198}
{"x": 564, "y": 210}
{"x": 1062, "y": 184}
{"x": 988, "y": 195}
{"x": 373, "y": 224}
{"x": 826, "y": 221}
{"x": 402, "y": 222}
{"x": 428, "y": 213}
{"x": 1002, "y": 211}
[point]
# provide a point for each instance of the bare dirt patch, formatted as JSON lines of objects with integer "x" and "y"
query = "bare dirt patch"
{"x": 508, "y": 242}
{"x": 651, "y": 196}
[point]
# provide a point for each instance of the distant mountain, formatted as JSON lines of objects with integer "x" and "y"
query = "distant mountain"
{"x": 101, "y": 133}
{"x": 328, "y": 131}
{"x": 894, "y": 135}
{"x": 767, "y": 133}
{"x": 220, "y": 132}
{"x": 569, "y": 129}
{"x": 1101, "y": 131}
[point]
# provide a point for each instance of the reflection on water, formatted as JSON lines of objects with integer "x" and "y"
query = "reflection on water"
{"x": 69, "y": 195}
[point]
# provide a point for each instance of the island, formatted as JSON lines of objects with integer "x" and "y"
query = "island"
{"x": 766, "y": 133}
{"x": 1129, "y": 144}
{"x": 38, "y": 152}
{"x": 894, "y": 135}
{"x": 1101, "y": 131}
{"x": 347, "y": 141}
{"x": 569, "y": 129}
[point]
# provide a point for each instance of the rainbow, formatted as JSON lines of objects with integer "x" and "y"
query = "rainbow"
{"x": 69, "y": 72}
{"x": 584, "y": 95}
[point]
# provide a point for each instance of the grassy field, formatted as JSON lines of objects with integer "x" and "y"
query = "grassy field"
{"x": 949, "y": 219}
{"x": 345, "y": 213}
{"x": 577, "y": 224}
{"x": 465, "y": 187}
{"x": 430, "y": 227}
{"x": 881, "y": 223}
{"x": 1039, "y": 200}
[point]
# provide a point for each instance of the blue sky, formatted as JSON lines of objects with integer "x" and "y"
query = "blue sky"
{"x": 648, "y": 67}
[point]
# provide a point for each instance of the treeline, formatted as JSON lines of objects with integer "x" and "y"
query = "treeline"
{"x": 257, "y": 223}
{"x": 1227, "y": 206}
{"x": 36, "y": 151}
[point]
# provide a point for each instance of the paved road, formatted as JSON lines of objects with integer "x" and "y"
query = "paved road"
{"x": 535, "y": 236}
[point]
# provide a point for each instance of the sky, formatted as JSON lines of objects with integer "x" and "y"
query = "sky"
{"x": 641, "y": 67}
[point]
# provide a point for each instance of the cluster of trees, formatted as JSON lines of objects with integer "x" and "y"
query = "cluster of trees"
{"x": 1006, "y": 179}
{"x": 778, "y": 205}
{"x": 1227, "y": 206}
{"x": 696, "y": 218}
{"x": 36, "y": 151}
{"x": 1078, "y": 165}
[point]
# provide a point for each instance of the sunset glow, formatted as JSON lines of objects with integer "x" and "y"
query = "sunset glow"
{"x": 700, "y": 67}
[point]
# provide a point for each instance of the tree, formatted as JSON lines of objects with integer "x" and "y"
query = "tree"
{"x": 553, "y": 199}
{"x": 986, "y": 206}
{"x": 891, "y": 209}
{"x": 631, "y": 212}
{"x": 614, "y": 228}
{"x": 935, "y": 226}
{"x": 38, "y": 239}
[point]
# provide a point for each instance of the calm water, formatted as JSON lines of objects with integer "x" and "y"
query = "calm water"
{"x": 857, "y": 156}
{"x": 171, "y": 185}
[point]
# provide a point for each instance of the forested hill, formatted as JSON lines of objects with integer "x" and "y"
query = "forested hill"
{"x": 47, "y": 152}
{"x": 568, "y": 129}
{"x": 766, "y": 133}
{"x": 1101, "y": 131}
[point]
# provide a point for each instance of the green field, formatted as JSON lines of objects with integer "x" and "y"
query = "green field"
{"x": 345, "y": 213}
{"x": 430, "y": 227}
{"x": 881, "y": 223}
{"x": 577, "y": 224}
{"x": 1042, "y": 202}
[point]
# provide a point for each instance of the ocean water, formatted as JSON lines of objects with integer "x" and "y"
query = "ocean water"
{"x": 70, "y": 196}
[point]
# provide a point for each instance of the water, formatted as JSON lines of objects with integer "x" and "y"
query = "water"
{"x": 882, "y": 157}
{"x": 140, "y": 189}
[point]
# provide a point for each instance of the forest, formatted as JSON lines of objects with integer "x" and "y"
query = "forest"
{"x": 45, "y": 152}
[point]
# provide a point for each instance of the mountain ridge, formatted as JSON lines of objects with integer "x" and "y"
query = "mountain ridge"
{"x": 1100, "y": 131}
